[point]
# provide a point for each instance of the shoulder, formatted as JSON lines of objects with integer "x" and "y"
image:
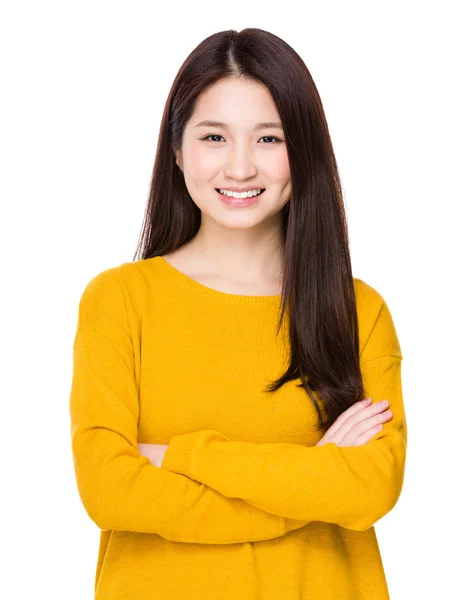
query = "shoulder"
{"x": 126, "y": 278}
{"x": 105, "y": 287}
{"x": 369, "y": 301}
{"x": 377, "y": 332}
{"x": 112, "y": 298}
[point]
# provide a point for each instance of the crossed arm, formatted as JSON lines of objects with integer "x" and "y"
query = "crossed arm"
{"x": 211, "y": 489}
{"x": 119, "y": 487}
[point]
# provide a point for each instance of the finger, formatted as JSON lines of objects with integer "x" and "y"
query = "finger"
{"x": 368, "y": 435}
{"x": 349, "y": 412}
{"x": 358, "y": 417}
{"x": 372, "y": 422}
{"x": 362, "y": 428}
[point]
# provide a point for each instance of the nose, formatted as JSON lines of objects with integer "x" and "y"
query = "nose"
{"x": 240, "y": 164}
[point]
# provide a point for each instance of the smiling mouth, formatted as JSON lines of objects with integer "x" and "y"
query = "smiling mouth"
{"x": 219, "y": 192}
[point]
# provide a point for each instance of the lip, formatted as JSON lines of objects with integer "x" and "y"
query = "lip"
{"x": 241, "y": 189}
{"x": 231, "y": 201}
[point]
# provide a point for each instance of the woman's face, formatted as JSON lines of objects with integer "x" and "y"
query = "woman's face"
{"x": 236, "y": 154}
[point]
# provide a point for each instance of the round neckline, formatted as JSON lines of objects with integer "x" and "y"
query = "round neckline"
{"x": 207, "y": 291}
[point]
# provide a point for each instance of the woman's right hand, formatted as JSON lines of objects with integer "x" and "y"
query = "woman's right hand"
{"x": 155, "y": 452}
{"x": 358, "y": 424}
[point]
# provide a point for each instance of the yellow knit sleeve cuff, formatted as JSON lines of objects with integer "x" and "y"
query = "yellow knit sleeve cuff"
{"x": 178, "y": 456}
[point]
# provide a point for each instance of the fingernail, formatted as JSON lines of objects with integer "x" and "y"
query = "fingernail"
{"x": 367, "y": 401}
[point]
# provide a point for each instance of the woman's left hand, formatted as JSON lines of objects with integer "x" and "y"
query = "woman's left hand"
{"x": 155, "y": 452}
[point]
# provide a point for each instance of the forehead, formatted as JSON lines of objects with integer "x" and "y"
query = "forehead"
{"x": 236, "y": 102}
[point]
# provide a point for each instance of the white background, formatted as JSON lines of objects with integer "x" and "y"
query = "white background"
{"x": 84, "y": 85}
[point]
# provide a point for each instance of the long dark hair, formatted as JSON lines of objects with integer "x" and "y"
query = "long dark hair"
{"x": 318, "y": 287}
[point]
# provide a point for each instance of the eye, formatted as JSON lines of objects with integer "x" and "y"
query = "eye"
{"x": 271, "y": 137}
{"x": 214, "y": 135}
{"x": 210, "y": 136}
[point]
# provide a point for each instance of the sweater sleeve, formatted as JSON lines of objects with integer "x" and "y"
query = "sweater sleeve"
{"x": 119, "y": 488}
{"x": 351, "y": 486}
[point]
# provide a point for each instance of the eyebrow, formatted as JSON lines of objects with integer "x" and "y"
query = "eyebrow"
{"x": 221, "y": 125}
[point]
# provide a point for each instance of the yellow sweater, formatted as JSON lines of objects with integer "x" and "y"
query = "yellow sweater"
{"x": 244, "y": 506}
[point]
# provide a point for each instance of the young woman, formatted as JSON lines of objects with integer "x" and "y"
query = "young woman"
{"x": 237, "y": 417}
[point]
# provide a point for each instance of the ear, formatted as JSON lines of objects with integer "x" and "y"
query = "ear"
{"x": 178, "y": 159}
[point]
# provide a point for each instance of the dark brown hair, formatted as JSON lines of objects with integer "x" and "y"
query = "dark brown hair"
{"x": 318, "y": 287}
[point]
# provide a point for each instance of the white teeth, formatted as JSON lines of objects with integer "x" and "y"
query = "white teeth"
{"x": 247, "y": 194}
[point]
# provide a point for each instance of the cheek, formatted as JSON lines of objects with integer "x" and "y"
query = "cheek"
{"x": 282, "y": 168}
{"x": 201, "y": 163}
{"x": 278, "y": 168}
